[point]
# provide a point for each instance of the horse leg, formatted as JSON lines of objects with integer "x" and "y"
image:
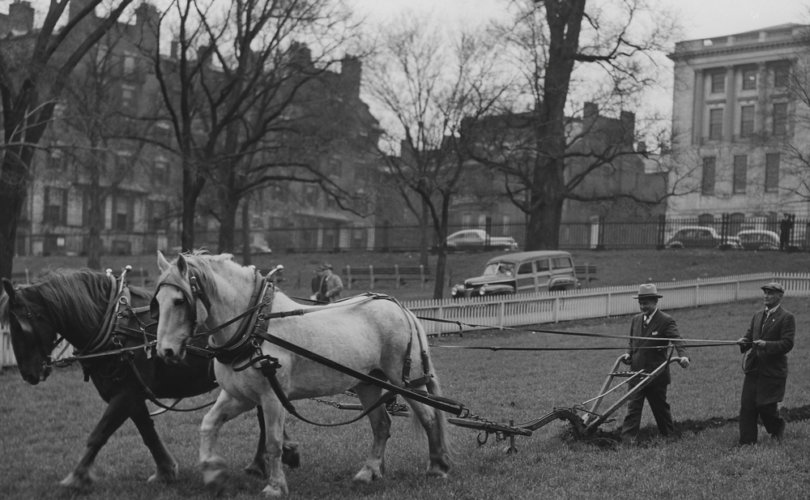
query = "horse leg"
{"x": 434, "y": 424}
{"x": 116, "y": 413}
{"x": 374, "y": 467}
{"x": 274, "y": 416}
{"x": 167, "y": 467}
{"x": 289, "y": 454}
{"x": 213, "y": 465}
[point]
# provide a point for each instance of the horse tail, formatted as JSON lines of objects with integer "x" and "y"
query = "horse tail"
{"x": 432, "y": 385}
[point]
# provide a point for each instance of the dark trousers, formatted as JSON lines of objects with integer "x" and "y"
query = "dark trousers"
{"x": 750, "y": 412}
{"x": 656, "y": 396}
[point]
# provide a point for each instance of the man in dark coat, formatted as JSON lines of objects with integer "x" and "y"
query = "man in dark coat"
{"x": 652, "y": 331}
{"x": 766, "y": 343}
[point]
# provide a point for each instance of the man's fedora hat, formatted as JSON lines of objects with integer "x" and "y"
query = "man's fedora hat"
{"x": 647, "y": 291}
{"x": 774, "y": 286}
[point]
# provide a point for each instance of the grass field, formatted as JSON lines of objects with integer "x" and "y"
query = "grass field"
{"x": 43, "y": 428}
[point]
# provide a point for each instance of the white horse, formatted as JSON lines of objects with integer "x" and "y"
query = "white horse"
{"x": 369, "y": 334}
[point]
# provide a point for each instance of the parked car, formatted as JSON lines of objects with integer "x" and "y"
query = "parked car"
{"x": 758, "y": 239}
{"x": 702, "y": 237}
{"x": 521, "y": 272}
{"x": 478, "y": 239}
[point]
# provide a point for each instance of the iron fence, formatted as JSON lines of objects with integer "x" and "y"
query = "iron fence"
{"x": 595, "y": 234}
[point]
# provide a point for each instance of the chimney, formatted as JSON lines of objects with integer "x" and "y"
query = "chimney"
{"x": 590, "y": 112}
{"x": 628, "y": 124}
{"x": 21, "y": 16}
{"x": 351, "y": 71}
{"x": 147, "y": 22}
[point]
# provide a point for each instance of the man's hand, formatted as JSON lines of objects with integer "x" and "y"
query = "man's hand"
{"x": 743, "y": 341}
{"x": 625, "y": 358}
{"x": 759, "y": 343}
{"x": 684, "y": 362}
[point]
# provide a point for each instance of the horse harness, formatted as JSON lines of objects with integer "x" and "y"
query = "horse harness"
{"x": 243, "y": 350}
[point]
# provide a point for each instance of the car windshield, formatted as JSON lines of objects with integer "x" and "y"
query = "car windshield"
{"x": 500, "y": 269}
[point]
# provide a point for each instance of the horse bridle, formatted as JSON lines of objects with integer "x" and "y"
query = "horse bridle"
{"x": 44, "y": 352}
{"x": 191, "y": 291}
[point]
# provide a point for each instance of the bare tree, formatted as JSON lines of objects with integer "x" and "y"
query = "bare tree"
{"x": 234, "y": 91}
{"x": 428, "y": 81}
{"x": 557, "y": 45}
{"x": 34, "y": 69}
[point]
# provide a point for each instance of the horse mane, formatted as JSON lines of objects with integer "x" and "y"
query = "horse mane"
{"x": 75, "y": 299}
{"x": 206, "y": 264}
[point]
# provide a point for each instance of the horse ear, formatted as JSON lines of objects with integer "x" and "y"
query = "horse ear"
{"x": 162, "y": 263}
{"x": 182, "y": 265}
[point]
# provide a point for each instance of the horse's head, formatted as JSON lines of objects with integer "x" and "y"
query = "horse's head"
{"x": 179, "y": 304}
{"x": 32, "y": 335}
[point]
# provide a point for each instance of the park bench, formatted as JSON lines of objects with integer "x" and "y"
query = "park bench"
{"x": 372, "y": 274}
{"x": 586, "y": 272}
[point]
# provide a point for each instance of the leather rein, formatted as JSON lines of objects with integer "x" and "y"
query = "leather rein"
{"x": 246, "y": 345}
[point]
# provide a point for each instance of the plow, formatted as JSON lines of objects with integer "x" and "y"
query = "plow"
{"x": 584, "y": 418}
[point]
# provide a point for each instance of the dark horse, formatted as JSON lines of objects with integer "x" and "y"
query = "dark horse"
{"x": 104, "y": 320}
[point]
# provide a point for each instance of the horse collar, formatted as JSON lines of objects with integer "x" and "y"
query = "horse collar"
{"x": 239, "y": 346}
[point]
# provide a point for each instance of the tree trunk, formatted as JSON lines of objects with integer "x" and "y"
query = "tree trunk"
{"x": 246, "y": 231}
{"x": 548, "y": 189}
{"x": 13, "y": 187}
{"x": 96, "y": 215}
{"x": 227, "y": 222}
{"x": 424, "y": 237}
{"x": 192, "y": 186}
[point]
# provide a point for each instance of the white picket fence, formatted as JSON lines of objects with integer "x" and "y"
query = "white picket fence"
{"x": 531, "y": 309}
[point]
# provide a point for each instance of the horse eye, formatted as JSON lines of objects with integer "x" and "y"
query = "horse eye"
{"x": 179, "y": 301}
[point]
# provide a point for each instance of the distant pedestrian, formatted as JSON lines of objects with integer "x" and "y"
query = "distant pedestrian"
{"x": 785, "y": 227}
{"x": 766, "y": 343}
{"x": 330, "y": 284}
{"x": 650, "y": 329}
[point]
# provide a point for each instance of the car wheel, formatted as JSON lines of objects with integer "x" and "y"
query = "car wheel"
{"x": 675, "y": 245}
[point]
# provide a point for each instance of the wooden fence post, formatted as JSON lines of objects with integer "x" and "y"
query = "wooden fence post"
{"x": 349, "y": 276}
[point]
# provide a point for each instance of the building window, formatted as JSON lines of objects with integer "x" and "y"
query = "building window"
{"x": 740, "y": 174}
{"x": 781, "y": 73}
{"x": 158, "y": 211}
{"x": 772, "y": 172}
{"x": 127, "y": 96}
{"x": 707, "y": 182}
{"x": 56, "y": 160}
{"x": 716, "y": 123}
{"x": 55, "y": 211}
{"x": 718, "y": 83}
{"x": 160, "y": 171}
{"x": 122, "y": 213}
{"x": 749, "y": 79}
{"x": 779, "y": 118}
{"x": 746, "y": 121}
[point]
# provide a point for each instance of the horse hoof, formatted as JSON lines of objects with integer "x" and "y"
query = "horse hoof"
{"x": 438, "y": 473}
{"x": 275, "y": 491}
{"x": 76, "y": 481}
{"x": 290, "y": 457}
{"x": 215, "y": 481}
{"x": 367, "y": 475}
{"x": 165, "y": 475}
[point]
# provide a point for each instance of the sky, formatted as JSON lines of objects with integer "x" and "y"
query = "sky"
{"x": 700, "y": 18}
